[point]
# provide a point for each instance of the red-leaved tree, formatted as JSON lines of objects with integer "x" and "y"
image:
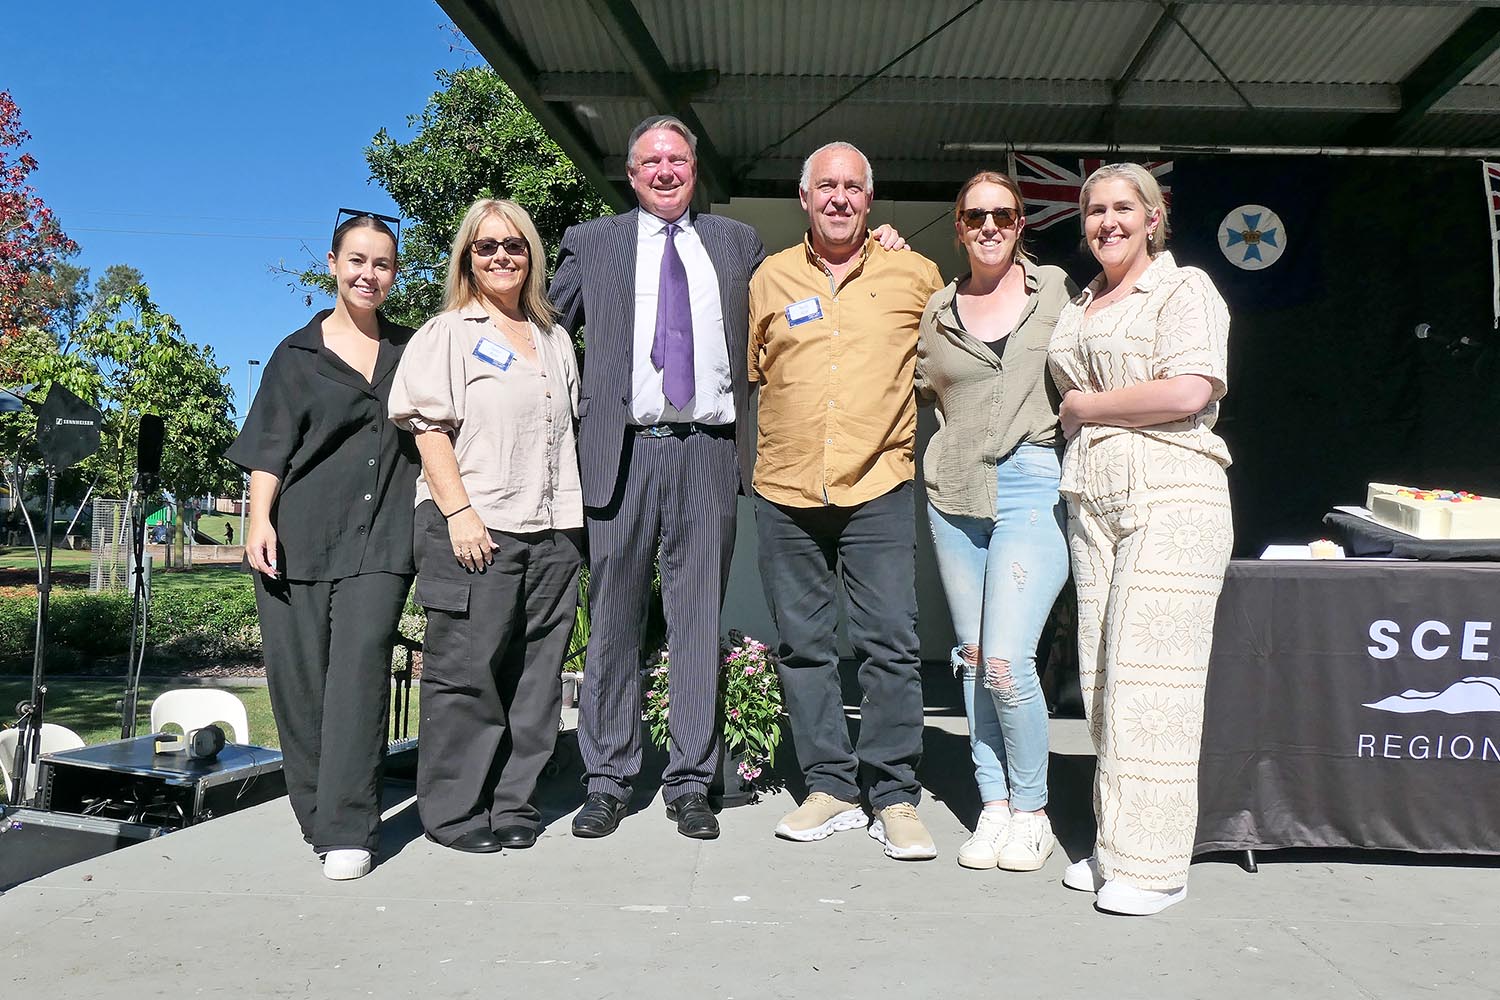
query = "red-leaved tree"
{"x": 31, "y": 240}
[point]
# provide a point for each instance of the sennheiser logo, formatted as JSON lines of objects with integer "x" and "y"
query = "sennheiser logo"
{"x": 65, "y": 422}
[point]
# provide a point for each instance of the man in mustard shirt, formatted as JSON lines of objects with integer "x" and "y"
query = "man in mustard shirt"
{"x": 833, "y": 344}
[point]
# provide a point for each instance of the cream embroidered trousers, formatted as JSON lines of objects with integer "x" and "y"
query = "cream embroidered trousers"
{"x": 1149, "y": 535}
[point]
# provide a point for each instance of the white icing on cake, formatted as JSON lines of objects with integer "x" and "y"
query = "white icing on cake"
{"x": 1434, "y": 514}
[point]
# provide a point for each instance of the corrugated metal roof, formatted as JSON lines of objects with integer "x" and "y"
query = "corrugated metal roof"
{"x": 1302, "y": 44}
{"x": 1487, "y": 73}
{"x": 834, "y": 37}
{"x": 1024, "y": 71}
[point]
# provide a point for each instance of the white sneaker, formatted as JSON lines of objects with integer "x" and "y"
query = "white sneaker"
{"x": 981, "y": 850}
{"x": 1117, "y": 897}
{"x": 1084, "y": 875}
{"x": 341, "y": 865}
{"x": 1028, "y": 845}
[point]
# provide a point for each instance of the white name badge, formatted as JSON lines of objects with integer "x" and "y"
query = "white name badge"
{"x": 492, "y": 353}
{"x": 804, "y": 312}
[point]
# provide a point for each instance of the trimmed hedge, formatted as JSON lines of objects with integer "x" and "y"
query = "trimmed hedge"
{"x": 209, "y": 623}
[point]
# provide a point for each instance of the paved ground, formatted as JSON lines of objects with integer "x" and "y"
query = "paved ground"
{"x": 238, "y": 907}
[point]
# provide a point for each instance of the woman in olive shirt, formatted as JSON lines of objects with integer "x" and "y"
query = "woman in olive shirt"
{"x": 991, "y": 472}
{"x": 329, "y": 538}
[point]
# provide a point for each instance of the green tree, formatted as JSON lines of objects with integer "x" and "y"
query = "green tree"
{"x": 117, "y": 279}
{"x": 146, "y": 365}
{"x": 474, "y": 139}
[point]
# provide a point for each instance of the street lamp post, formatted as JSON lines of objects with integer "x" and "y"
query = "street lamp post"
{"x": 245, "y": 479}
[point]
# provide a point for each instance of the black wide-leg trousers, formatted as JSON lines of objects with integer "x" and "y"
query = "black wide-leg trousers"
{"x": 328, "y": 666}
{"x": 491, "y": 674}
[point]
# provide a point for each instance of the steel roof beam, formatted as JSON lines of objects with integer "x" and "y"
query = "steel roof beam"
{"x": 661, "y": 86}
{"x": 480, "y": 22}
{"x": 817, "y": 90}
{"x": 1470, "y": 44}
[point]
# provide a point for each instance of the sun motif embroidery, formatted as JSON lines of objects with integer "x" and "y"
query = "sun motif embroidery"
{"x": 1197, "y": 627}
{"x": 1158, "y": 629}
{"x": 1149, "y": 722}
{"x": 1187, "y": 722}
{"x": 1188, "y": 537}
{"x": 1151, "y": 819}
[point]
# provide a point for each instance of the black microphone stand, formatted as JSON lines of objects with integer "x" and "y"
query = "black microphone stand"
{"x": 138, "y": 606}
{"x": 29, "y": 713}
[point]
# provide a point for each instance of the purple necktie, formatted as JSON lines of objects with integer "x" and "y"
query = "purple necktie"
{"x": 672, "y": 350}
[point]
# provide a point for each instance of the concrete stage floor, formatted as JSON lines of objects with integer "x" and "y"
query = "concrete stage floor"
{"x": 237, "y": 907}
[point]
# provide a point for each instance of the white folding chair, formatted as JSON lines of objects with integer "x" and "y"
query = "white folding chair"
{"x": 194, "y": 708}
{"x": 54, "y": 739}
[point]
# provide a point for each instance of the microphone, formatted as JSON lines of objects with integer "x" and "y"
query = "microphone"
{"x": 148, "y": 447}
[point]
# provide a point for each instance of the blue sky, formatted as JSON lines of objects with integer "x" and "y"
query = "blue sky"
{"x": 243, "y": 125}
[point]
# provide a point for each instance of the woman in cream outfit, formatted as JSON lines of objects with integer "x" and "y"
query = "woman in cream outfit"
{"x": 1140, "y": 359}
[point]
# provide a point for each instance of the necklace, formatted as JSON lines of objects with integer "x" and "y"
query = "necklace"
{"x": 519, "y": 333}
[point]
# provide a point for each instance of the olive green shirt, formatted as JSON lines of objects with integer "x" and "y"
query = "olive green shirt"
{"x": 986, "y": 405}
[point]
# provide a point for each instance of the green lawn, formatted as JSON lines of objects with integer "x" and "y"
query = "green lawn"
{"x": 91, "y": 708}
{"x": 22, "y": 558}
{"x": 75, "y": 566}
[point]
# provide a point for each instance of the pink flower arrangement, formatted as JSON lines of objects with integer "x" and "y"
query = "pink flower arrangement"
{"x": 749, "y": 693}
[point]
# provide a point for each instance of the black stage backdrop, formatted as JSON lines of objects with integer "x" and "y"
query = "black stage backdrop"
{"x": 1329, "y": 386}
{"x": 1354, "y": 704}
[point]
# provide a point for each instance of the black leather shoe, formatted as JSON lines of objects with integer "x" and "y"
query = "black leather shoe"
{"x": 515, "y": 838}
{"x": 694, "y": 816}
{"x": 600, "y": 815}
{"x": 473, "y": 842}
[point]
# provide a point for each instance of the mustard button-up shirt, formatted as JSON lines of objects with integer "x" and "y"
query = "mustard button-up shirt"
{"x": 835, "y": 360}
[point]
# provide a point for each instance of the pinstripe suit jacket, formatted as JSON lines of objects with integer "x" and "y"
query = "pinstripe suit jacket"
{"x": 594, "y": 288}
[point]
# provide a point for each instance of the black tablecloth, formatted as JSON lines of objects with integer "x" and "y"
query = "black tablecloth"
{"x": 1354, "y": 704}
{"x": 1366, "y": 538}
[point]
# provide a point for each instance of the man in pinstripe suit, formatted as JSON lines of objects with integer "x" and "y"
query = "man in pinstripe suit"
{"x": 665, "y": 442}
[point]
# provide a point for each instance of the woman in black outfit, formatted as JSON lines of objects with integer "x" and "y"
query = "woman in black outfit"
{"x": 332, "y": 488}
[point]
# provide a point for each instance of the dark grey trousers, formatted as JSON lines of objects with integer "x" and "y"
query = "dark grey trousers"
{"x": 328, "y": 667}
{"x": 803, "y": 553}
{"x": 491, "y": 674}
{"x": 679, "y": 495}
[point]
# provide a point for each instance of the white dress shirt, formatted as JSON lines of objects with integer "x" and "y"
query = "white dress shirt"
{"x": 713, "y": 397}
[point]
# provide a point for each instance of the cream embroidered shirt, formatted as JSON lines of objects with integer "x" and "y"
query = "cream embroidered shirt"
{"x": 511, "y": 422}
{"x": 1173, "y": 322}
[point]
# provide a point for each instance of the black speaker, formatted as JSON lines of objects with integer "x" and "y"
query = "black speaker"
{"x": 67, "y": 428}
{"x": 34, "y": 842}
{"x": 148, "y": 446}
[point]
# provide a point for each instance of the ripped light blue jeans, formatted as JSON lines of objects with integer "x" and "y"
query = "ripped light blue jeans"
{"x": 1001, "y": 578}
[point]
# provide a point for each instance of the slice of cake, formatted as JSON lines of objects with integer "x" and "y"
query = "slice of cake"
{"x": 1434, "y": 514}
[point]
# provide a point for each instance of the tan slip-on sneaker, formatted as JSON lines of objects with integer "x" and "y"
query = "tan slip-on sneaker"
{"x": 900, "y": 829}
{"x": 820, "y": 816}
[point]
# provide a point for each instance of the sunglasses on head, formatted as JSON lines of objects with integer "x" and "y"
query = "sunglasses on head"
{"x": 345, "y": 214}
{"x": 513, "y": 245}
{"x": 973, "y": 218}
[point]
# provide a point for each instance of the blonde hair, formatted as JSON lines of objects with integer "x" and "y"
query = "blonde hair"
{"x": 1145, "y": 186}
{"x": 1007, "y": 182}
{"x": 460, "y": 289}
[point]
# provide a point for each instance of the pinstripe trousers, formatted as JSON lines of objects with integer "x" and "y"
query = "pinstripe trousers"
{"x": 678, "y": 496}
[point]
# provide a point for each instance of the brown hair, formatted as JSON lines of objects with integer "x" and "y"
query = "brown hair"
{"x": 1005, "y": 181}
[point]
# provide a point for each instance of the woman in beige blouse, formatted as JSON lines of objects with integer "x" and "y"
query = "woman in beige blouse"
{"x": 991, "y": 472}
{"x": 1140, "y": 357}
{"x": 490, "y": 389}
